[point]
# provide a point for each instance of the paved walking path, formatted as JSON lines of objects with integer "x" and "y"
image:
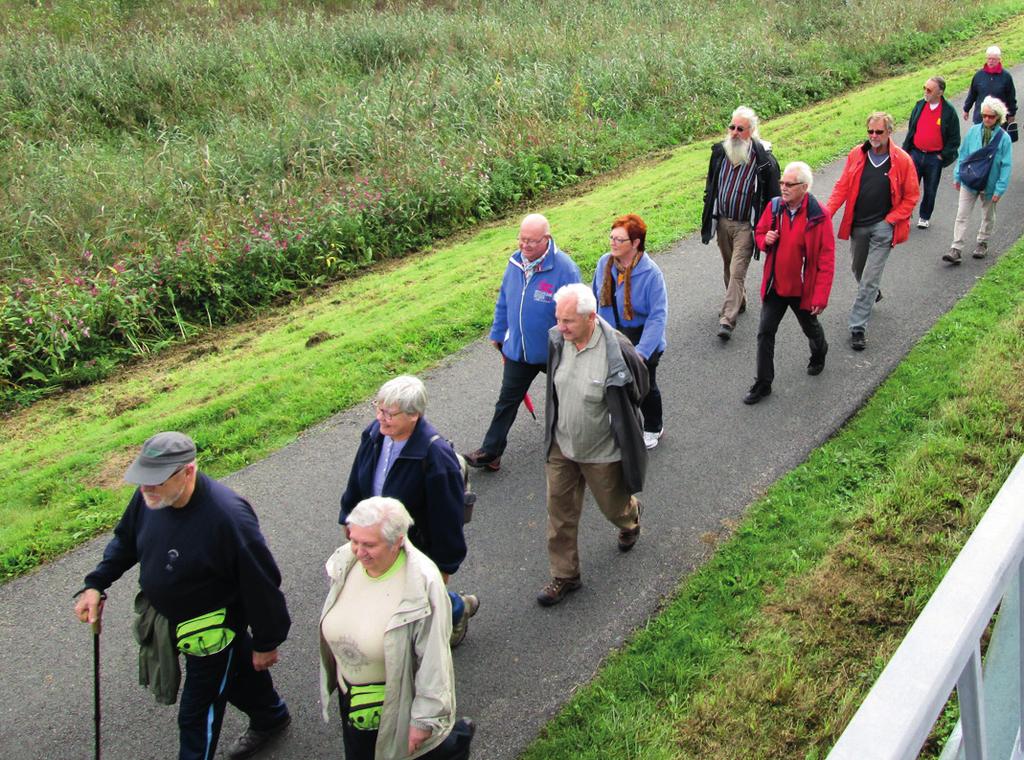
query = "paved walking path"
{"x": 520, "y": 662}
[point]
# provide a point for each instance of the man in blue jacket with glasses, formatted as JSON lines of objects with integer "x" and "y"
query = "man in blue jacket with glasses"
{"x": 524, "y": 313}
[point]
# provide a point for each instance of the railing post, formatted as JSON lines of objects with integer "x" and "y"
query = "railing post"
{"x": 972, "y": 711}
{"x": 1019, "y": 749}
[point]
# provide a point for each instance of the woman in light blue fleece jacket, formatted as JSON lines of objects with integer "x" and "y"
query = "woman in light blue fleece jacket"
{"x": 630, "y": 291}
{"x": 993, "y": 115}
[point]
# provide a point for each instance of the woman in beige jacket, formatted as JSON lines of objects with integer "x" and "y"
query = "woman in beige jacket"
{"x": 384, "y": 633}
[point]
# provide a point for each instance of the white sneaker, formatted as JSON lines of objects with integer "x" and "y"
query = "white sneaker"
{"x": 922, "y": 224}
{"x": 651, "y": 439}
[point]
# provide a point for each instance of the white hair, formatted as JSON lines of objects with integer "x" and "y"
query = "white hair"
{"x": 406, "y": 392}
{"x": 995, "y": 105}
{"x": 994, "y": 50}
{"x": 384, "y": 512}
{"x": 586, "y": 303}
{"x": 745, "y": 112}
{"x": 802, "y": 171}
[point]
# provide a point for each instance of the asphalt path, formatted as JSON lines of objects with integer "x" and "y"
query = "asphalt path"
{"x": 520, "y": 662}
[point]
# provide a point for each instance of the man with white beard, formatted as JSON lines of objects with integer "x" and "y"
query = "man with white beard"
{"x": 743, "y": 177}
{"x": 205, "y": 568}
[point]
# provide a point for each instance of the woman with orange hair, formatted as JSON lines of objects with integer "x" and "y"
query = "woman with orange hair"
{"x": 630, "y": 290}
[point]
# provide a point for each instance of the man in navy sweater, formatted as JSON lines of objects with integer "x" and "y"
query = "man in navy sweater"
{"x": 206, "y": 568}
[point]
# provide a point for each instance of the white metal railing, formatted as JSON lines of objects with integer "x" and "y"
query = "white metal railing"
{"x": 942, "y": 649}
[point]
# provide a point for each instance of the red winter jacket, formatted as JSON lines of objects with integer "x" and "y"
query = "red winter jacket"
{"x": 902, "y": 182}
{"x": 807, "y": 239}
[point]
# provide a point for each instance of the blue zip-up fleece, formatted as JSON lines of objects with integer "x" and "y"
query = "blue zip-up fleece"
{"x": 648, "y": 297}
{"x": 1002, "y": 162}
{"x": 526, "y": 310}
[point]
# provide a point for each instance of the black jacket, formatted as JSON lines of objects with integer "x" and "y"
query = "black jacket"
{"x": 997, "y": 85}
{"x": 766, "y": 187}
{"x": 950, "y": 130}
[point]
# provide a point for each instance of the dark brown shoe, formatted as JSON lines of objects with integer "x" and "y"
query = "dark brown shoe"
{"x": 483, "y": 459}
{"x": 628, "y": 536}
{"x": 557, "y": 589}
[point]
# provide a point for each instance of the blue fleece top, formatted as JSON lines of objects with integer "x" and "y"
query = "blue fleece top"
{"x": 198, "y": 558}
{"x": 999, "y": 176}
{"x": 427, "y": 479}
{"x": 649, "y": 299}
{"x": 525, "y": 311}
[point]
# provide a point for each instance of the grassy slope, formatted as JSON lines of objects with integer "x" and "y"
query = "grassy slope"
{"x": 257, "y": 387}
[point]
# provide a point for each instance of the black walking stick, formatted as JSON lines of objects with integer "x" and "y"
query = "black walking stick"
{"x": 96, "y": 682}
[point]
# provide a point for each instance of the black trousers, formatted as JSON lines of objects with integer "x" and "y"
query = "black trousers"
{"x": 213, "y": 681}
{"x": 516, "y": 378}
{"x": 362, "y": 745}
{"x": 773, "y": 309}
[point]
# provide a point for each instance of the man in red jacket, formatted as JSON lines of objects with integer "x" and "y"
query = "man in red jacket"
{"x": 796, "y": 234}
{"x": 879, "y": 187}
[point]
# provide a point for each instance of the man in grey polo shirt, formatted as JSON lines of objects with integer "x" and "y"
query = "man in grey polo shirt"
{"x": 594, "y": 436}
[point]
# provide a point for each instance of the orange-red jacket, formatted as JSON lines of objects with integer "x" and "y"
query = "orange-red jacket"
{"x": 902, "y": 184}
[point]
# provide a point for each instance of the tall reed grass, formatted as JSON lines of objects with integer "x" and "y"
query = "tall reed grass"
{"x": 176, "y": 164}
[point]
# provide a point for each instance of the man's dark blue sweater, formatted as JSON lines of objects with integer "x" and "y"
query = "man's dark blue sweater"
{"x": 199, "y": 558}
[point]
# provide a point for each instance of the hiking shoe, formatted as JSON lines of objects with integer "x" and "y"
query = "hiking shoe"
{"x": 980, "y": 250}
{"x": 252, "y": 741}
{"x": 817, "y": 363}
{"x": 470, "y": 605}
{"x": 724, "y": 331}
{"x": 953, "y": 257}
{"x": 557, "y": 589}
{"x": 628, "y": 536}
{"x": 857, "y": 340}
{"x": 922, "y": 224}
{"x": 484, "y": 459}
{"x": 757, "y": 392}
{"x": 651, "y": 438}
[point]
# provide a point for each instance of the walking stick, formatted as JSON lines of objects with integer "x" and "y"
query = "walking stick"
{"x": 96, "y": 682}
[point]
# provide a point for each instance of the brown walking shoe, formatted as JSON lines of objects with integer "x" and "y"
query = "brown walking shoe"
{"x": 628, "y": 536}
{"x": 980, "y": 250}
{"x": 484, "y": 459}
{"x": 557, "y": 589}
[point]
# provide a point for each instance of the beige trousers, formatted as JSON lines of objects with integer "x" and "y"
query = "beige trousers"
{"x": 566, "y": 481}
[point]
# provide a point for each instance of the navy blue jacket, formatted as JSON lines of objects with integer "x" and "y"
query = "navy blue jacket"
{"x": 427, "y": 479}
{"x": 193, "y": 560}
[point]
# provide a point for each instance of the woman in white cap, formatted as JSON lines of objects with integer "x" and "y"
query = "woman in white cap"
{"x": 991, "y": 79}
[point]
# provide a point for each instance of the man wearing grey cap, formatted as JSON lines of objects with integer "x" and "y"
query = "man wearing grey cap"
{"x": 206, "y": 568}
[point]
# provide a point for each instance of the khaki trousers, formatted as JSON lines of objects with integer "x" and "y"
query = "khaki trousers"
{"x": 566, "y": 481}
{"x": 736, "y": 243}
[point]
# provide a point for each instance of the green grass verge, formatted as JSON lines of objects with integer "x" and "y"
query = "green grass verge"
{"x": 246, "y": 392}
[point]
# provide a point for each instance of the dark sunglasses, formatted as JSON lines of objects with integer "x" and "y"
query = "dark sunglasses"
{"x": 876, "y": 131}
{"x": 791, "y": 184}
{"x": 734, "y": 127}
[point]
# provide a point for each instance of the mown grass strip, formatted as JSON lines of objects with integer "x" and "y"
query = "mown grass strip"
{"x": 245, "y": 392}
{"x": 767, "y": 650}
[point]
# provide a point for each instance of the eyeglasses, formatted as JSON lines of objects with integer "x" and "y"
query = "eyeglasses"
{"x": 618, "y": 240}
{"x": 989, "y": 116}
{"x": 530, "y": 242}
{"x": 737, "y": 128}
{"x": 791, "y": 184}
{"x": 384, "y": 413}
{"x": 876, "y": 131}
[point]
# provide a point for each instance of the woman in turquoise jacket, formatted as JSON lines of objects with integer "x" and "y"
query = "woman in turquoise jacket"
{"x": 630, "y": 291}
{"x": 993, "y": 115}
